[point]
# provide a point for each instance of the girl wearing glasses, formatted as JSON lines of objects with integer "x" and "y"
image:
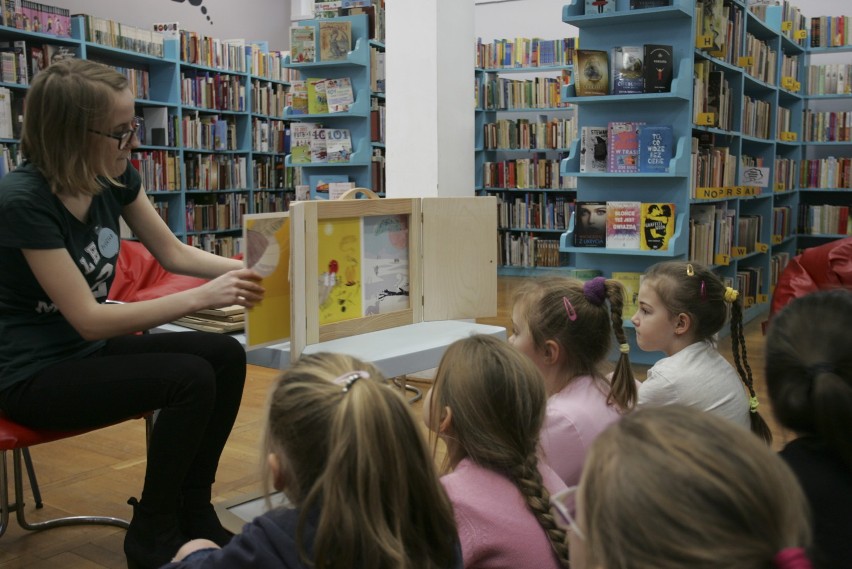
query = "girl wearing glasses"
{"x": 70, "y": 361}
{"x": 674, "y": 487}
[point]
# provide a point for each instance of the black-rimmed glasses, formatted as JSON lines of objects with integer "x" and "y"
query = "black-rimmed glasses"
{"x": 124, "y": 137}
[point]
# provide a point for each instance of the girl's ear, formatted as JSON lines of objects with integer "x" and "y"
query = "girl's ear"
{"x": 276, "y": 469}
{"x": 683, "y": 323}
{"x": 446, "y": 424}
{"x": 552, "y": 351}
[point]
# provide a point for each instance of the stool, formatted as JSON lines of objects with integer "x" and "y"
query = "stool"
{"x": 18, "y": 438}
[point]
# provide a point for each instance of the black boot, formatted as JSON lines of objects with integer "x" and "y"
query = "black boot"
{"x": 198, "y": 519}
{"x": 152, "y": 538}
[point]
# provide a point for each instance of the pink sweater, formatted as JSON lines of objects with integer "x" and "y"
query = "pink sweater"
{"x": 496, "y": 527}
{"x": 576, "y": 415}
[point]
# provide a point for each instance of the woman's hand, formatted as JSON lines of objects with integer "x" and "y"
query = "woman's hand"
{"x": 241, "y": 287}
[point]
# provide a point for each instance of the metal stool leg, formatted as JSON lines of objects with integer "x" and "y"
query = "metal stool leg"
{"x": 28, "y": 461}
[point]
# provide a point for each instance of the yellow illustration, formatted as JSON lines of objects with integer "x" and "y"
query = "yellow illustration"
{"x": 339, "y": 262}
{"x": 267, "y": 242}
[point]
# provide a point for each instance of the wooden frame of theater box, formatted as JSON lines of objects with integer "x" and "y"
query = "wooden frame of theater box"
{"x": 365, "y": 265}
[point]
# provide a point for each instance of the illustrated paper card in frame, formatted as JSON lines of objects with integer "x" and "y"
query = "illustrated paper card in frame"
{"x": 267, "y": 243}
{"x": 351, "y": 265}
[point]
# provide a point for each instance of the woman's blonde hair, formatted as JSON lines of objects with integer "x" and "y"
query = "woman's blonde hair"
{"x": 359, "y": 458}
{"x": 498, "y": 400}
{"x": 583, "y": 324}
{"x": 64, "y": 102}
{"x": 674, "y": 487}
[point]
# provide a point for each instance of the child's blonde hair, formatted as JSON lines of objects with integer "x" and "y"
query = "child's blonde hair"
{"x": 498, "y": 400}
{"x": 698, "y": 292}
{"x": 355, "y": 453}
{"x": 577, "y": 316}
{"x": 674, "y": 487}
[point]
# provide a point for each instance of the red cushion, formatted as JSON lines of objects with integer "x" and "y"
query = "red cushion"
{"x": 13, "y": 435}
{"x": 139, "y": 276}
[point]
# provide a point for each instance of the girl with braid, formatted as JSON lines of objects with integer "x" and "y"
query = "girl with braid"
{"x": 487, "y": 404}
{"x": 809, "y": 378}
{"x": 681, "y": 308}
{"x": 565, "y": 327}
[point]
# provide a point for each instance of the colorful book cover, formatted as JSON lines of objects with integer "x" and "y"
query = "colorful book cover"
{"x": 592, "y": 76}
{"x": 655, "y": 148}
{"x": 300, "y": 142}
{"x": 622, "y": 224}
{"x": 338, "y": 145}
{"x": 303, "y": 44}
{"x": 319, "y": 184}
{"x": 630, "y": 282}
{"x": 593, "y": 149}
{"x": 339, "y": 94}
{"x": 335, "y": 40}
{"x": 658, "y": 68}
{"x": 600, "y": 6}
{"x": 298, "y": 97}
{"x": 623, "y": 154}
{"x": 317, "y": 98}
{"x": 642, "y": 4}
{"x": 627, "y": 71}
{"x": 658, "y": 226}
{"x": 319, "y": 149}
{"x": 590, "y": 224}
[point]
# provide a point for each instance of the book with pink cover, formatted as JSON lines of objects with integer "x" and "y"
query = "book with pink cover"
{"x": 623, "y": 139}
{"x": 623, "y": 224}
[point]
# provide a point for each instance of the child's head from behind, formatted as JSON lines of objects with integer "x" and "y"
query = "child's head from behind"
{"x": 494, "y": 398}
{"x": 671, "y": 487}
{"x": 340, "y": 440}
{"x": 692, "y": 296}
{"x": 809, "y": 367}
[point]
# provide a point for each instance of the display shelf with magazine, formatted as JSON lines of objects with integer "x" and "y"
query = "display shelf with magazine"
{"x": 523, "y": 130}
{"x": 730, "y": 182}
{"x": 332, "y": 61}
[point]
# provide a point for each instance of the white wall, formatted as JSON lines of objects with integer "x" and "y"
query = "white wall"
{"x": 224, "y": 19}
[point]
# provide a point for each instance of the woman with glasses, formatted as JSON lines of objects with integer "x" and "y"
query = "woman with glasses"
{"x": 70, "y": 361}
{"x": 673, "y": 488}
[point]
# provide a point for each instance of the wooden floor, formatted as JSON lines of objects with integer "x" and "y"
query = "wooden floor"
{"x": 96, "y": 473}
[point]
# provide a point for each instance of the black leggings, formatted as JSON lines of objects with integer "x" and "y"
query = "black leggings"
{"x": 195, "y": 378}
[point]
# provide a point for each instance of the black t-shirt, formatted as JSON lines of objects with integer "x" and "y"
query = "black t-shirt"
{"x": 33, "y": 333}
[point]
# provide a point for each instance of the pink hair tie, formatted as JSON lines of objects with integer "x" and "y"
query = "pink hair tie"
{"x": 595, "y": 290}
{"x": 792, "y": 558}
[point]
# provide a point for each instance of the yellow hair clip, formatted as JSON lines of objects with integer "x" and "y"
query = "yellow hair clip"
{"x": 731, "y": 295}
{"x": 690, "y": 270}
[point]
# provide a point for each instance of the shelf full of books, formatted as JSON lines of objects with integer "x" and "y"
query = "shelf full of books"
{"x": 335, "y": 100}
{"x": 523, "y": 130}
{"x": 213, "y": 137}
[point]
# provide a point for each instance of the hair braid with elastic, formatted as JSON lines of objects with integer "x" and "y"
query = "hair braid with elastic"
{"x": 738, "y": 349}
{"x": 623, "y": 386}
{"x": 527, "y": 478}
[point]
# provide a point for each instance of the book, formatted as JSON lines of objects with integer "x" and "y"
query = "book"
{"x": 210, "y": 324}
{"x": 233, "y": 313}
{"x": 715, "y": 81}
{"x": 318, "y": 148}
{"x": 623, "y": 142}
{"x": 600, "y": 6}
{"x": 335, "y": 39}
{"x": 592, "y": 77}
{"x": 317, "y": 98}
{"x": 338, "y": 93}
{"x": 658, "y": 225}
{"x": 593, "y": 149}
{"x": 655, "y": 148}
{"x": 629, "y": 281}
{"x": 337, "y": 189}
{"x": 627, "y": 72}
{"x": 298, "y": 97}
{"x": 303, "y": 44}
{"x": 642, "y": 4}
{"x": 300, "y": 142}
{"x": 590, "y": 224}
{"x": 319, "y": 184}
{"x": 338, "y": 145}
{"x": 657, "y": 68}
{"x": 623, "y": 224}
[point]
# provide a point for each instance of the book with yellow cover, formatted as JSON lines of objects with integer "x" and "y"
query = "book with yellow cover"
{"x": 630, "y": 282}
{"x": 657, "y": 226}
{"x": 335, "y": 39}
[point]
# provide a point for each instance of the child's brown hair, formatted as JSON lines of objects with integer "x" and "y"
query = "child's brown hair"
{"x": 698, "y": 292}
